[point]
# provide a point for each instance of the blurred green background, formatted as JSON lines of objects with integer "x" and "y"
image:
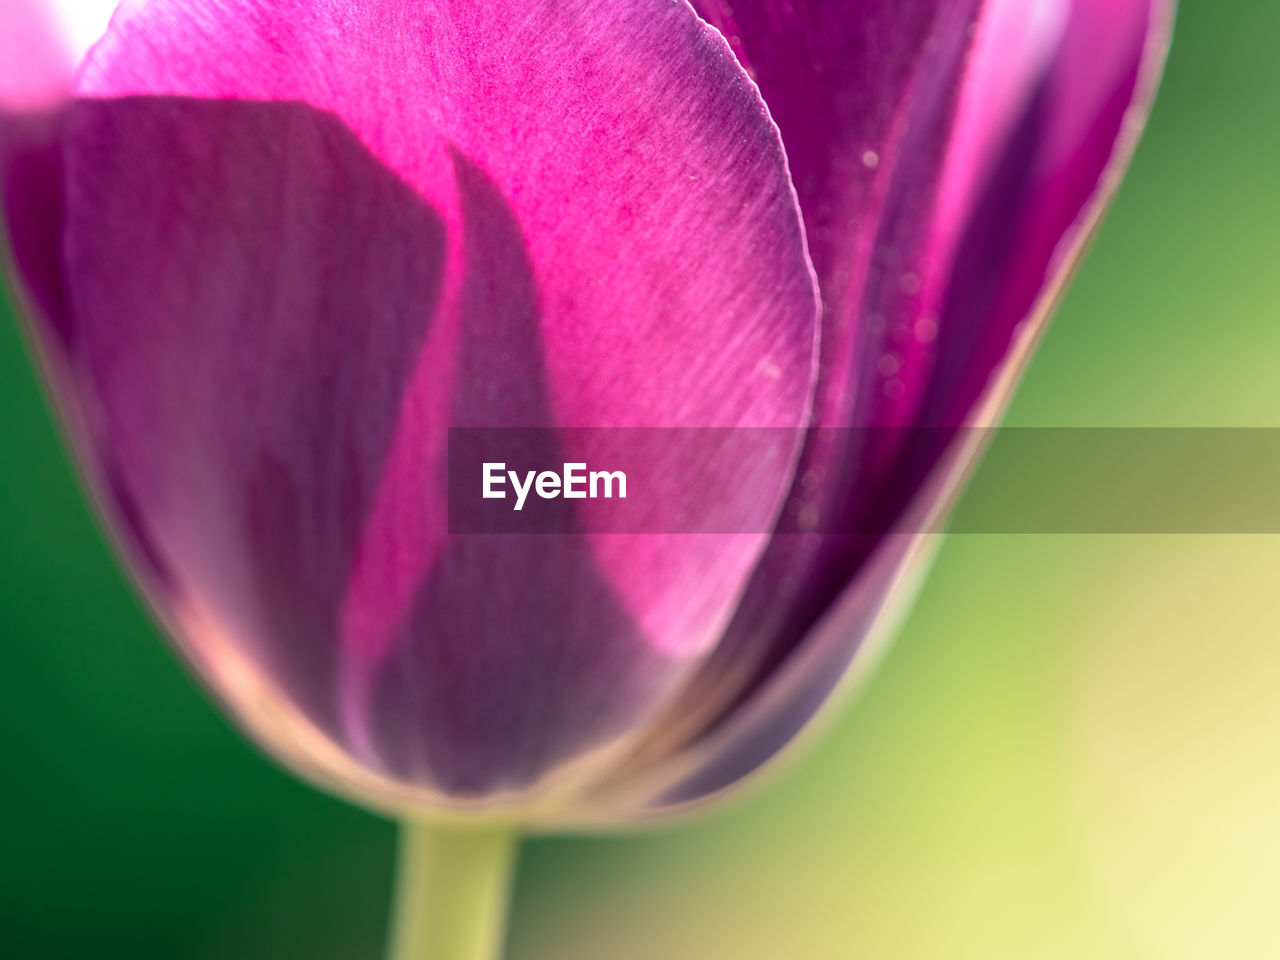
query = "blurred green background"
{"x": 1073, "y": 749}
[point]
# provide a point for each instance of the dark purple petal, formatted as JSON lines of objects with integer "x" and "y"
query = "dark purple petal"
{"x": 304, "y": 238}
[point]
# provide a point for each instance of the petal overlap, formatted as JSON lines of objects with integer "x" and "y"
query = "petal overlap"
{"x": 958, "y": 288}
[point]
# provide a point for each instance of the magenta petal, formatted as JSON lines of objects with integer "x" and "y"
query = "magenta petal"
{"x": 305, "y": 238}
{"x": 1040, "y": 136}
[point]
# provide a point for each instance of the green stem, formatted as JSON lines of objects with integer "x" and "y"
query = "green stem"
{"x": 452, "y": 888}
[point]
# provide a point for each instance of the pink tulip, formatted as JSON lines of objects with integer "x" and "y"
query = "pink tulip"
{"x": 272, "y": 250}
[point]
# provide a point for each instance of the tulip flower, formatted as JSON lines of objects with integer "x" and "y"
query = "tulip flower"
{"x": 272, "y": 251}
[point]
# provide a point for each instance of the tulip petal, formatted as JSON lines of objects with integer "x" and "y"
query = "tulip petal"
{"x": 305, "y": 238}
{"x": 1025, "y": 176}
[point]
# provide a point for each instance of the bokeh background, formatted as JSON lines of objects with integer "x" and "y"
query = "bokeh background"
{"x": 1072, "y": 750}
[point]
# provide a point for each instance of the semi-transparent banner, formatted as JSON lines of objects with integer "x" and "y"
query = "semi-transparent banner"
{"x": 747, "y": 480}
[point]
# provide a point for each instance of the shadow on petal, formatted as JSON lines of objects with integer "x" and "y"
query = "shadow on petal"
{"x": 249, "y": 288}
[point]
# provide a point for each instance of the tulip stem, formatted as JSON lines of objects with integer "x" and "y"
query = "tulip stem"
{"x": 452, "y": 889}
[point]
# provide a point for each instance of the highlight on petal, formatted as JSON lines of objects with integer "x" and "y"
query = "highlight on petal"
{"x": 1020, "y": 185}
{"x": 304, "y": 238}
{"x": 42, "y": 42}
